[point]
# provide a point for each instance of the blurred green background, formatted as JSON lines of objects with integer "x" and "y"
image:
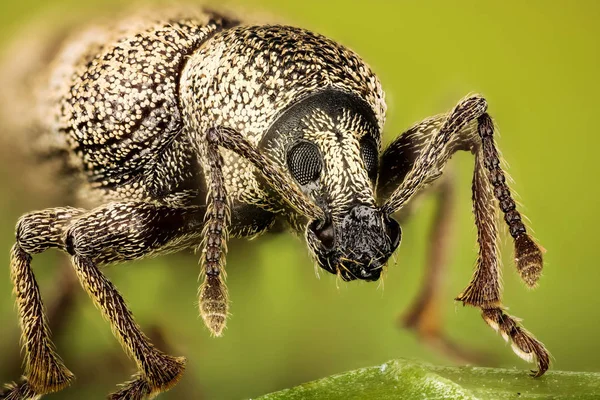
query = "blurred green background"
{"x": 537, "y": 63}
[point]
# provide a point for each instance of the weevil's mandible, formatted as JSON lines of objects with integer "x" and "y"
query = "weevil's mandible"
{"x": 177, "y": 131}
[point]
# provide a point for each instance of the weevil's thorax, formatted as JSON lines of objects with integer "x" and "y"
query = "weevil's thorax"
{"x": 277, "y": 85}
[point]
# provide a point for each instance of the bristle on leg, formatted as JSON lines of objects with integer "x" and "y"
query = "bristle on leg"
{"x": 19, "y": 391}
{"x": 136, "y": 389}
{"x": 523, "y": 343}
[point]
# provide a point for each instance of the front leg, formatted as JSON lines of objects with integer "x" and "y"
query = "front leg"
{"x": 424, "y": 315}
{"x": 213, "y": 292}
{"x": 214, "y": 300}
{"x": 418, "y": 157}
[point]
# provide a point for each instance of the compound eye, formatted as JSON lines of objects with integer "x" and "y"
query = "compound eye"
{"x": 305, "y": 162}
{"x": 370, "y": 156}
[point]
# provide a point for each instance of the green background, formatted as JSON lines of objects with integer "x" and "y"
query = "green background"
{"x": 536, "y": 62}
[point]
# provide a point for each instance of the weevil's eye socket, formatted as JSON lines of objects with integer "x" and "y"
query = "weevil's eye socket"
{"x": 305, "y": 162}
{"x": 324, "y": 232}
{"x": 370, "y": 156}
{"x": 393, "y": 231}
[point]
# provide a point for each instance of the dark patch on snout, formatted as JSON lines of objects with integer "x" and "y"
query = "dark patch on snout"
{"x": 359, "y": 246}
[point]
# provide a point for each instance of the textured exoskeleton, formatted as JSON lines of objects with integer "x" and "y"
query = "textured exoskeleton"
{"x": 175, "y": 130}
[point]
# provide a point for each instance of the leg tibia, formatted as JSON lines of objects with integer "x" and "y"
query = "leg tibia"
{"x": 162, "y": 371}
{"x": 115, "y": 232}
{"x": 424, "y": 315}
{"x": 484, "y": 287}
{"x": 44, "y": 369}
{"x": 124, "y": 231}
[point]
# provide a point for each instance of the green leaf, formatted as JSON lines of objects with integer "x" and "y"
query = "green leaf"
{"x": 415, "y": 380}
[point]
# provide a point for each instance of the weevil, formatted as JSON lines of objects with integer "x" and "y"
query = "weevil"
{"x": 178, "y": 129}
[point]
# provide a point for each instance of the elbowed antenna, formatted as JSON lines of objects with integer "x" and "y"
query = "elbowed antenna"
{"x": 232, "y": 140}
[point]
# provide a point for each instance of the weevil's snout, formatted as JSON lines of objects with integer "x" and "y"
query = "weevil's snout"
{"x": 357, "y": 247}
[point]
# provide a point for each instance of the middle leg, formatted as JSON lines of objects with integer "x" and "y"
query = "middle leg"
{"x": 126, "y": 231}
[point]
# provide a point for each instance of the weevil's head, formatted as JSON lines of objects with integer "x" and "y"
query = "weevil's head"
{"x": 330, "y": 143}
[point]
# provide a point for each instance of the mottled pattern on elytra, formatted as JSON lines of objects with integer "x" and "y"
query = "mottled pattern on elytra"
{"x": 117, "y": 107}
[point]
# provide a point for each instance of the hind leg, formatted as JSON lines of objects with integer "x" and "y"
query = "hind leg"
{"x": 44, "y": 370}
{"x": 110, "y": 233}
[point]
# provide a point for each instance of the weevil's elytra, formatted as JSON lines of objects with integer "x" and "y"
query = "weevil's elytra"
{"x": 178, "y": 130}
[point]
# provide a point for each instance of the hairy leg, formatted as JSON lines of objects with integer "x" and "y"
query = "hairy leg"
{"x": 214, "y": 300}
{"x": 44, "y": 371}
{"x": 213, "y": 292}
{"x": 157, "y": 371}
{"x": 59, "y": 311}
{"x": 126, "y": 231}
{"x": 419, "y": 156}
{"x": 484, "y": 289}
{"x": 424, "y": 316}
{"x": 110, "y": 233}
